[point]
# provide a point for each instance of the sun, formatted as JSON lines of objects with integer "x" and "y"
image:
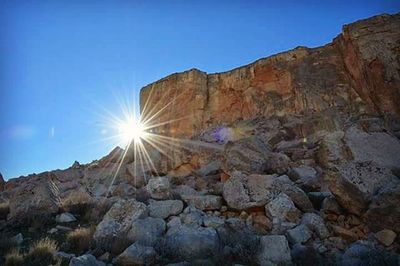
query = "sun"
{"x": 131, "y": 130}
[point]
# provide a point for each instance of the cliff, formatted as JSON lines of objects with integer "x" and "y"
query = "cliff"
{"x": 357, "y": 73}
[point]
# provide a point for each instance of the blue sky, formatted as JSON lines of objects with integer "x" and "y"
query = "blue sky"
{"x": 63, "y": 62}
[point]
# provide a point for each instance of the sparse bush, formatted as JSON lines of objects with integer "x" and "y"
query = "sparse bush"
{"x": 6, "y": 244}
{"x": 78, "y": 202}
{"x": 14, "y": 258}
{"x": 79, "y": 240}
{"x": 4, "y": 210}
{"x": 42, "y": 253}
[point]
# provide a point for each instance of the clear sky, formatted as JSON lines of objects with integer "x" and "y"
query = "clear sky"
{"x": 63, "y": 62}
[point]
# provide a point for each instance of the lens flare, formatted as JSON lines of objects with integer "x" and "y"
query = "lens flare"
{"x": 131, "y": 130}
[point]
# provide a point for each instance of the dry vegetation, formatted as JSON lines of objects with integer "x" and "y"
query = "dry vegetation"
{"x": 80, "y": 239}
{"x": 78, "y": 202}
{"x": 14, "y": 258}
{"x": 42, "y": 252}
{"x": 4, "y": 210}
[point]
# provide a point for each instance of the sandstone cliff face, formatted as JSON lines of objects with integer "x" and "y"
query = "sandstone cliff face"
{"x": 357, "y": 73}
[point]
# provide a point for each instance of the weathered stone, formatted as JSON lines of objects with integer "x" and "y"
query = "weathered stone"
{"x": 65, "y": 218}
{"x": 299, "y": 234}
{"x": 159, "y": 188}
{"x": 354, "y": 184}
{"x": 386, "y": 203}
{"x": 364, "y": 253}
{"x": 386, "y": 236}
{"x": 262, "y": 224}
{"x": 18, "y": 239}
{"x": 193, "y": 216}
{"x": 164, "y": 209}
{"x": 344, "y": 233}
{"x": 212, "y": 221}
{"x": 305, "y": 255}
{"x": 206, "y": 202}
{"x": 274, "y": 251}
{"x": 316, "y": 224}
{"x": 188, "y": 242}
{"x": 137, "y": 254}
{"x": 147, "y": 231}
{"x": 283, "y": 208}
{"x": 378, "y": 147}
{"x": 117, "y": 222}
{"x": 306, "y": 177}
{"x": 330, "y": 205}
{"x": 86, "y": 260}
{"x": 243, "y": 192}
{"x": 174, "y": 221}
{"x": 37, "y": 196}
{"x": 247, "y": 155}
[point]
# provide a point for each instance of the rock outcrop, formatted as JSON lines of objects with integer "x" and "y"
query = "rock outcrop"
{"x": 358, "y": 72}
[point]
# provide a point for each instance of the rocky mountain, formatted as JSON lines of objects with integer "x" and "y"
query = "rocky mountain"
{"x": 291, "y": 160}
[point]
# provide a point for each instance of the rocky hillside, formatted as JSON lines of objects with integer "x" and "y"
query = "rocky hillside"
{"x": 291, "y": 160}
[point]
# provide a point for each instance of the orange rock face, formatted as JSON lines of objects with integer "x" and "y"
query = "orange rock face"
{"x": 357, "y": 73}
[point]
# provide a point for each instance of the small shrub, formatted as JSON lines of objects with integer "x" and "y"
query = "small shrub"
{"x": 4, "y": 210}
{"x": 79, "y": 240}
{"x": 42, "y": 253}
{"x": 78, "y": 202}
{"x": 6, "y": 244}
{"x": 14, "y": 258}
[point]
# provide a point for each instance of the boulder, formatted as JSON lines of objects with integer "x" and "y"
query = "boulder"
{"x": 65, "y": 217}
{"x": 330, "y": 205}
{"x": 282, "y": 208}
{"x": 354, "y": 184}
{"x": 316, "y": 224}
{"x": 117, "y": 222}
{"x": 386, "y": 203}
{"x": 212, "y": 221}
{"x": 378, "y": 147}
{"x": 274, "y": 250}
{"x": 37, "y": 196}
{"x": 174, "y": 222}
{"x": 261, "y": 224}
{"x": 159, "y": 188}
{"x": 386, "y": 237}
{"x": 137, "y": 254}
{"x": 306, "y": 177}
{"x": 305, "y": 255}
{"x": 204, "y": 202}
{"x": 238, "y": 242}
{"x": 246, "y": 191}
{"x": 246, "y": 155}
{"x": 18, "y": 239}
{"x": 146, "y": 231}
{"x": 165, "y": 208}
{"x": 296, "y": 194}
{"x": 299, "y": 234}
{"x": 189, "y": 242}
{"x": 364, "y": 253}
{"x": 86, "y": 260}
{"x": 193, "y": 216}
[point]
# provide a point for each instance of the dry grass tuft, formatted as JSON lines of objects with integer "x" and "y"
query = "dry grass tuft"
{"x": 80, "y": 239}
{"x": 78, "y": 202}
{"x": 14, "y": 258}
{"x": 42, "y": 252}
{"x": 4, "y": 210}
